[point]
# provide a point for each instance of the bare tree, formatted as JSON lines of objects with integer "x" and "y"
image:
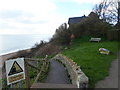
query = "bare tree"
{"x": 108, "y": 10}
{"x": 119, "y": 12}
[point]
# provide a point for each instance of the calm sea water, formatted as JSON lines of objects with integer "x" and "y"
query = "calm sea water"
{"x": 12, "y": 43}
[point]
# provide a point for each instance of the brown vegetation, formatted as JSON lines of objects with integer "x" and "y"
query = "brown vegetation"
{"x": 47, "y": 49}
{"x": 41, "y": 50}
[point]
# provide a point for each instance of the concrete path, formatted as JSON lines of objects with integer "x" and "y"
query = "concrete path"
{"x": 57, "y": 73}
{"x": 112, "y": 80}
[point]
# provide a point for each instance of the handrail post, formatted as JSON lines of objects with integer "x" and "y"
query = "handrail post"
{"x": 46, "y": 59}
{"x": 27, "y": 80}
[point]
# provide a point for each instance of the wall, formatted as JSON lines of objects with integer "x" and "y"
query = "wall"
{"x": 77, "y": 76}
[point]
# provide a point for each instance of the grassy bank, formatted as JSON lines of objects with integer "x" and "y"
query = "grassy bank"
{"x": 93, "y": 64}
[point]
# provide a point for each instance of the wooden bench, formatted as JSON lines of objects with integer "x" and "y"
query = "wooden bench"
{"x": 95, "y": 39}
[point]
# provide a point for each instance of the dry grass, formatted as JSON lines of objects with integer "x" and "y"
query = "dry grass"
{"x": 48, "y": 49}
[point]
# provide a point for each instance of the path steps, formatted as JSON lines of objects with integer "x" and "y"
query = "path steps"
{"x": 52, "y": 85}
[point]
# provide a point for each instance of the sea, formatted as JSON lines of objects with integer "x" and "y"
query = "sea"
{"x": 13, "y": 43}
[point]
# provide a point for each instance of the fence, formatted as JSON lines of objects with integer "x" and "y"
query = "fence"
{"x": 40, "y": 65}
{"x": 42, "y": 68}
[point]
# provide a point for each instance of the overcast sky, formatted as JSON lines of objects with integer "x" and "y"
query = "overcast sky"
{"x": 40, "y": 16}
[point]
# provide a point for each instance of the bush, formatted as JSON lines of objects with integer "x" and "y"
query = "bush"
{"x": 62, "y": 35}
{"x": 35, "y": 48}
{"x": 113, "y": 34}
{"x": 48, "y": 49}
{"x": 91, "y": 26}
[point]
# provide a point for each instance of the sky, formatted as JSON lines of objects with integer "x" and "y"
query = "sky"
{"x": 40, "y": 16}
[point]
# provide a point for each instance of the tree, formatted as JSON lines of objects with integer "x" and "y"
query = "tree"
{"x": 91, "y": 26}
{"x": 118, "y": 12}
{"x": 62, "y": 35}
{"x": 108, "y": 10}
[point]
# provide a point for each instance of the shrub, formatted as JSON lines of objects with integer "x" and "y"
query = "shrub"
{"x": 62, "y": 35}
{"x": 35, "y": 48}
{"x": 48, "y": 49}
{"x": 91, "y": 26}
{"x": 113, "y": 34}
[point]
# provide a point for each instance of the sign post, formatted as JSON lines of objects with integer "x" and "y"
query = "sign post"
{"x": 15, "y": 70}
{"x": 20, "y": 84}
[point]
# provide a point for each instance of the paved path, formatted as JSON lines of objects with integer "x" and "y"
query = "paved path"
{"x": 57, "y": 73}
{"x": 112, "y": 80}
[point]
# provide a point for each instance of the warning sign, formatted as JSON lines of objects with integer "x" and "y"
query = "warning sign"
{"x": 16, "y": 77}
{"x": 15, "y": 70}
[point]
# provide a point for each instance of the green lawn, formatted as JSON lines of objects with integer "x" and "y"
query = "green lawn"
{"x": 93, "y": 64}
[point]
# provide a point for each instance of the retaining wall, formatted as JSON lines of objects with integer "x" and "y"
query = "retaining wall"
{"x": 77, "y": 76}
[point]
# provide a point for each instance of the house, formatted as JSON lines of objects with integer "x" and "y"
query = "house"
{"x": 75, "y": 20}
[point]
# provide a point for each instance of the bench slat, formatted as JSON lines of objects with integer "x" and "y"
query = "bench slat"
{"x": 95, "y": 39}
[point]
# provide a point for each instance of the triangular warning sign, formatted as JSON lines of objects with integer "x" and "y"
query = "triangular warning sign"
{"x": 15, "y": 69}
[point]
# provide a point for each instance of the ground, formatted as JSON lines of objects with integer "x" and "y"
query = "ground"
{"x": 57, "y": 73}
{"x": 112, "y": 80}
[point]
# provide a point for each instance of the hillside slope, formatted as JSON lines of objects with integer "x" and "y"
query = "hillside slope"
{"x": 93, "y": 64}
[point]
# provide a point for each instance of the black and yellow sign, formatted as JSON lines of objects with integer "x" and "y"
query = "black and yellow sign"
{"x": 15, "y": 69}
{"x": 16, "y": 77}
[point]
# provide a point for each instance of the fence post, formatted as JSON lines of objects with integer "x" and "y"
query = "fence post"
{"x": 27, "y": 80}
{"x": 20, "y": 84}
{"x": 46, "y": 59}
{"x": 11, "y": 86}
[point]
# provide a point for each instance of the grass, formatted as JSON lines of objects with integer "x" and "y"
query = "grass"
{"x": 93, "y": 64}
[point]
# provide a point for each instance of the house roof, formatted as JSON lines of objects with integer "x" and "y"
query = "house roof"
{"x": 74, "y": 20}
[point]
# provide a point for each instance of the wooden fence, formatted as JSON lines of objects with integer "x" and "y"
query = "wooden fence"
{"x": 40, "y": 69}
